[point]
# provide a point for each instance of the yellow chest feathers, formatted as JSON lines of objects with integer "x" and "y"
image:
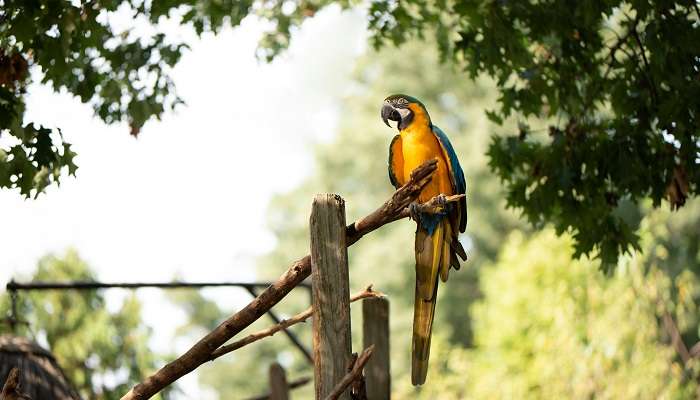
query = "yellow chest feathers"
{"x": 419, "y": 145}
{"x": 419, "y": 142}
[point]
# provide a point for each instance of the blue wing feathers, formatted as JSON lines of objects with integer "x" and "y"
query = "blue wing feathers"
{"x": 456, "y": 168}
{"x": 458, "y": 180}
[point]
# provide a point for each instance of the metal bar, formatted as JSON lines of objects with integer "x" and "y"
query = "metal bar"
{"x": 292, "y": 337}
{"x": 13, "y": 287}
{"x": 13, "y": 311}
{"x": 90, "y": 285}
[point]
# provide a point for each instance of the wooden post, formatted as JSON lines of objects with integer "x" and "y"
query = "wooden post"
{"x": 331, "y": 294}
{"x": 375, "y": 331}
{"x": 279, "y": 390}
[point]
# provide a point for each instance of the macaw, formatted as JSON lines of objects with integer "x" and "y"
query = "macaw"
{"x": 436, "y": 245}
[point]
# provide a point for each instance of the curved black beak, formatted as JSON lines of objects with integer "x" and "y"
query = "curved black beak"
{"x": 390, "y": 113}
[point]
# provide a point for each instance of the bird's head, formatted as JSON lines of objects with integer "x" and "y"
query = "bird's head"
{"x": 405, "y": 110}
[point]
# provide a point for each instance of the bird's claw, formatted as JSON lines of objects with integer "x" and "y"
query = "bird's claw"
{"x": 441, "y": 200}
{"x": 414, "y": 212}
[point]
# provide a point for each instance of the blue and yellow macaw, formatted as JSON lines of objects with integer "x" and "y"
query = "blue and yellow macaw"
{"x": 437, "y": 246}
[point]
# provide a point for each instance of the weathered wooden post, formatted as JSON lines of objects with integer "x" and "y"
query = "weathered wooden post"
{"x": 331, "y": 294}
{"x": 375, "y": 331}
{"x": 279, "y": 390}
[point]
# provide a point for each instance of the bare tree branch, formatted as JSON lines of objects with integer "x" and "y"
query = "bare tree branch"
{"x": 353, "y": 375}
{"x": 301, "y": 317}
{"x": 695, "y": 350}
{"x": 676, "y": 339}
{"x": 200, "y": 352}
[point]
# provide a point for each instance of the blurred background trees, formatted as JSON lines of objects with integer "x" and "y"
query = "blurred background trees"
{"x": 103, "y": 352}
{"x": 550, "y": 327}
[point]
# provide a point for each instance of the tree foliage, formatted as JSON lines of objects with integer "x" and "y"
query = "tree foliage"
{"x": 124, "y": 73}
{"x": 614, "y": 87}
{"x": 102, "y": 352}
{"x": 611, "y": 88}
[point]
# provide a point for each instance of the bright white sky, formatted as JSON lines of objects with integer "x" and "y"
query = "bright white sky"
{"x": 189, "y": 196}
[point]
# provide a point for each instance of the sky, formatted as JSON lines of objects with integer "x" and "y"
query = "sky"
{"x": 188, "y": 198}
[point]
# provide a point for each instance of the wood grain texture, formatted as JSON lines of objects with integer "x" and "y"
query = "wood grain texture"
{"x": 331, "y": 293}
{"x": 279, "y": 390}
{"x": 375, "y": 331}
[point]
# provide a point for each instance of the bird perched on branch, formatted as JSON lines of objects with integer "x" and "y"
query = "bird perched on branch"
{"x": 437, "y": 246}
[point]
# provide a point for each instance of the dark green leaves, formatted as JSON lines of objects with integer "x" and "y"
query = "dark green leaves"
{"x": 38, "y": 160}
{"x": 616, "y": 84}
{"x": 125, "y": 76}
{"x": 31, "y": 157}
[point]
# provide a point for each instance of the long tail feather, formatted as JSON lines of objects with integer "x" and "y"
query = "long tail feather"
{"x": 423, "y": 314}
{"x": 428, "y": 252}
{"x": 429, "y": 255}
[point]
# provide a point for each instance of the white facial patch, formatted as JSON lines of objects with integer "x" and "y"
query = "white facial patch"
{"x": 403, "y": 112}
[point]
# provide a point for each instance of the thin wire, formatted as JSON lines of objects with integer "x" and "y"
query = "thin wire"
{"x": 14, "y": 287}
{"x": 92, "y": 285}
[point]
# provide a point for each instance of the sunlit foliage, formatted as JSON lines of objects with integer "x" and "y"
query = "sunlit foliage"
{"x": 550, "y": 327}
